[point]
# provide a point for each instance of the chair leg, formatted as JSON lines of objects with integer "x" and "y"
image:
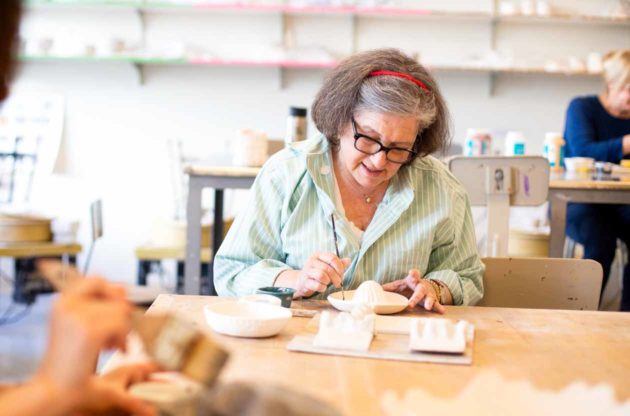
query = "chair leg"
{"x": 622, "y": 259}
{"x": 569, "y": 248}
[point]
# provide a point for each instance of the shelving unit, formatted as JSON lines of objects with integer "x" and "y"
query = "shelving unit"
{"x": 143, "y": 6}
{"x": 348, "y": 10}
{"x": 285, "y": 64}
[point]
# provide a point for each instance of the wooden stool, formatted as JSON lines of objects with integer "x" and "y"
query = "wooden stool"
{"x": 152, "y": 255}
{"x": 27, "y": 284}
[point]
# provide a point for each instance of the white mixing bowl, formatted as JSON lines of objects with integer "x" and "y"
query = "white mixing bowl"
{"x": 242, "y": 318}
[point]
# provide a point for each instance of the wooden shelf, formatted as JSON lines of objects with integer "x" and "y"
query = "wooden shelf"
{"x": 566, "y": 18}
{"x": 104, "y": 59}
{"x": 348, "y": 10}
{"x": 290, "y": 64}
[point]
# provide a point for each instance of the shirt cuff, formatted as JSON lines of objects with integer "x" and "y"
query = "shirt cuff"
{"x": 263, "y": 274}
{"x": 452, "y": 281}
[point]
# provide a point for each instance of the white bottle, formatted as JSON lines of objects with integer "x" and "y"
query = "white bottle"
{"x": 514, "y": 143}
{"x": 554, "y": 151}
{"x": 478, "y": 142}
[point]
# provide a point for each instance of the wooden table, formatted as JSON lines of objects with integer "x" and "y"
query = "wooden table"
{"x": 550, "y": 349}
{"x": 565, "y": 188}
{"x": 26, "y": 285}
{"x": 219, "y": 178}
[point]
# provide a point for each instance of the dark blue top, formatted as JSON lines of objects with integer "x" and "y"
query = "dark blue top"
{"x": 590, "y": 131}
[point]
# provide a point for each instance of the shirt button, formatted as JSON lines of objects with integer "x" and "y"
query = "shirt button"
{"x": 325, "y": 170}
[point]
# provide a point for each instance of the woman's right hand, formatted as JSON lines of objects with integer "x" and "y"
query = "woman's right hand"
{"x": 320, "y": 270}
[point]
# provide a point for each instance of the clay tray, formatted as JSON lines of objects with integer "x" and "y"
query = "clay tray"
{"x": 391, "y": 342}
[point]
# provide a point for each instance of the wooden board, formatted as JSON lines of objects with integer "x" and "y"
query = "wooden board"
{"x": 388, "y": 347}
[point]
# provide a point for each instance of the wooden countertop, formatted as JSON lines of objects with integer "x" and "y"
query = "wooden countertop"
{"x": 584, "y": 181}
{"x": 39, "y": 249}
{"x": 550, "y": 349}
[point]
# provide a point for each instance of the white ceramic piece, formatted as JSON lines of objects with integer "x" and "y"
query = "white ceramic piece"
{"x": 168, "y": 398}
{"x": 345, "y": 331}
{"x": 507, "y": 8}
{"x": 370, "y": 293}
{"x": 246, "y": 318}
{"x": 528, "y": 7}
{"x": 388, "y": 302}
{"x": 438, "y": 335}
{"x": 543, "y": 8}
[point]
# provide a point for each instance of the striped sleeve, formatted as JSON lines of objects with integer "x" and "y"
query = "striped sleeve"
{"x": 251, "y": 255}
{"x": 454, "y": 259}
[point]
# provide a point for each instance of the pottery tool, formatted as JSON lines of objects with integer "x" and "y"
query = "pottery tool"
{"x": 173, "y": 343}
{"x": 332, "y": 218}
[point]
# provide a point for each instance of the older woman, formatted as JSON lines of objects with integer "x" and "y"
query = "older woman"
{"x": 599, "y": 127}
{"x": 399, "y": 217}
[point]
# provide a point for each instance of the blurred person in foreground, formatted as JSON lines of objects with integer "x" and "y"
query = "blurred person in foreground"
{"x": 88, "y": 317}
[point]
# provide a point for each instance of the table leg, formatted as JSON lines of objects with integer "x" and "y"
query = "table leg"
{"x": 217, "y": 236}
{"x": 559, "y": 204}
{"x": 144, "y": 268}
{"x": 193, "y": 237}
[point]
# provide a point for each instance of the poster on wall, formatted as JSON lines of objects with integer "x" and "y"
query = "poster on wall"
{"x": 31, "y": 127}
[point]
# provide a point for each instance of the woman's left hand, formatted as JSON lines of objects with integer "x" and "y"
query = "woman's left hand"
{"x": 418, "y": 290}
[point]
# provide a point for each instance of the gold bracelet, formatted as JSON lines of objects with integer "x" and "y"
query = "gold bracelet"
{"x": 438, "y": 289}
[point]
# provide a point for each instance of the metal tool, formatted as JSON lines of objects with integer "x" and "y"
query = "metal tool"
{"x": 332, "y": 218}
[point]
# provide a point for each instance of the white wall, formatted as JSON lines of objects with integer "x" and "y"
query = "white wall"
{"x": 115, "y": 129}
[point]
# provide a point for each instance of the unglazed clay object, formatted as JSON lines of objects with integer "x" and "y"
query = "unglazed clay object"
{"x": 246, "y": 318}
{"x": 370, "y": 293}
{"x": 345, "y": 331}
{"x": 438, "y": 335}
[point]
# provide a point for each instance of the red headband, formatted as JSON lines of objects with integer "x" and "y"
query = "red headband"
{"x": 399, "y": 75}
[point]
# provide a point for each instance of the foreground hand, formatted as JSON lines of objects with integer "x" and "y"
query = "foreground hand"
{"x": 418, "y": 290}
{"x": 89, "y": 316}
{"x": 108, "y": 393}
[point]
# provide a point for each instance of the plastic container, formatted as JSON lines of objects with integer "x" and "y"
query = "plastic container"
{"x": 554, "y": 151}
{"x": 478, "y": 142}
{"x": 514, "y": 143}
{"x": 579, "y": 164}
{"x": 296, "y": 125}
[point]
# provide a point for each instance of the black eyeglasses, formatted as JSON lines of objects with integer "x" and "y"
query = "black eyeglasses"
{"x": 370, "y": 146}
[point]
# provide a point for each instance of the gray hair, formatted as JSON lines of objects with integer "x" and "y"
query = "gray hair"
{"x": 349, "y": 88}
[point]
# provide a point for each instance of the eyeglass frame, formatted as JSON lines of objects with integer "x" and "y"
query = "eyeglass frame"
{"x": 382, "y": 148}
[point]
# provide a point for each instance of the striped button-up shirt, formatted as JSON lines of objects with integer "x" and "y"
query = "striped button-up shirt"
{"x": 423, "y": 222}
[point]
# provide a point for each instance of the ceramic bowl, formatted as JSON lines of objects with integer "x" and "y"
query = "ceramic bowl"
{"x": 285, "y": 294}
{"x": 242, "y": 318}
{"x": 393, "y": 303}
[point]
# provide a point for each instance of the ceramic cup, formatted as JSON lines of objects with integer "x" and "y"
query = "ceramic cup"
{"x": 285, "y": 294}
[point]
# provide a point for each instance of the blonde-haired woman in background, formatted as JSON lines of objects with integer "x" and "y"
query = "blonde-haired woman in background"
{"x": 599, "y": 127}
